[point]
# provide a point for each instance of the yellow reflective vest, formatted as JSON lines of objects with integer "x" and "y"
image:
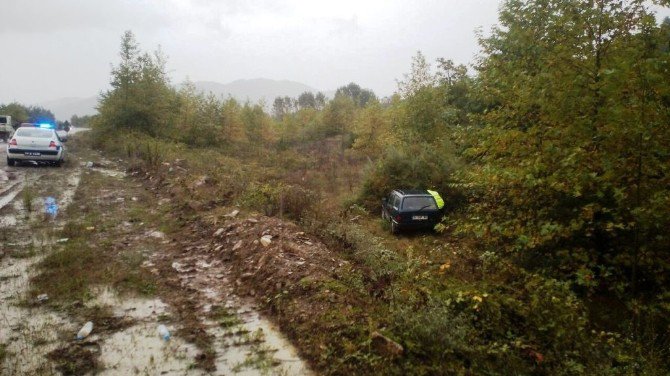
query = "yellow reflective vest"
{"x": 438, "y": 198}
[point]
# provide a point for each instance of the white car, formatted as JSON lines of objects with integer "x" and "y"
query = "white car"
{"x": 35, "y": 144}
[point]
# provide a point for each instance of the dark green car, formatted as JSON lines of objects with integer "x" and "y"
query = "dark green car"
{"x": 410, "y": 209}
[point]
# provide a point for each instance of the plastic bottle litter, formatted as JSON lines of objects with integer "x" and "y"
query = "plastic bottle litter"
{"x": 85, "y": 330}
{"x": 163, "y": 332}
{"x": 50, "y": 207}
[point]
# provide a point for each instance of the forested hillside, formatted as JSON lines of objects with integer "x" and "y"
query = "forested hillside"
{"x": 552, "y": 152}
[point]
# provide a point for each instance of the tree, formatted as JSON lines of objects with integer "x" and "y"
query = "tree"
{"x": 419, "y": 78}
{"x": 320, "y": 100}
{"x": 232, "y": 123}
{"x": 278, "y": 108}
{"x": 360, "y": 97}
{"x": 17, "y": 111}
{"x": 307, "y": 100}
{"x": 257, "y": 123}
{"x": 571, "y": 163}
{"x": 141, "y": 97}
{"x": 81, "y": 121}
{"x": 372, "y": 130}
{"x": 38, "y": 114}
{"x": 338, "y": 116}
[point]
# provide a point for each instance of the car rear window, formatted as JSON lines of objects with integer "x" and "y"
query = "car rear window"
{"x": 418, "y": 203}
{"x": 34, "y": 132}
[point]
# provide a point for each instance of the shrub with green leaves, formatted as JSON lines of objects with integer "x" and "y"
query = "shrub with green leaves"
{"x": 420, "y": 166}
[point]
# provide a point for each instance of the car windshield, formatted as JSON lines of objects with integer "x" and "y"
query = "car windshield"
{"x": 418, "y": 203}
{"x": 34, "y": 132}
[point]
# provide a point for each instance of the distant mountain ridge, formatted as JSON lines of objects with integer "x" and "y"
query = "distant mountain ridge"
{"x": 252, "y": 90}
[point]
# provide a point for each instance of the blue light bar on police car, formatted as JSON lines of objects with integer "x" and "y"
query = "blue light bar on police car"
{"x": 46, "y": 125}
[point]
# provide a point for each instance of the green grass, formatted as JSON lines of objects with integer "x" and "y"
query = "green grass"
{"x": 28, "y": 199}
{"x": 3, "y": 352}
{"x": 225, "y": 318}
{"x": 91, "y": 257}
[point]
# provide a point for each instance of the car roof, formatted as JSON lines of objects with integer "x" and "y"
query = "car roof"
{"x": 412, "y": 192}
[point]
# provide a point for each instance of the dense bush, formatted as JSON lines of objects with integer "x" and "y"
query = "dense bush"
{"x": 414, "y": 167}
{"x": 276, "y": 199}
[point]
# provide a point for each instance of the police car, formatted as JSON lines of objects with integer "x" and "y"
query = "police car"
{"x": 36, "y": 142}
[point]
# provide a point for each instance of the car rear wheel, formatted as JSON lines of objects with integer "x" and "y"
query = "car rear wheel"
{"x": 10, "y": 162}
{"x": 58, "y": 163}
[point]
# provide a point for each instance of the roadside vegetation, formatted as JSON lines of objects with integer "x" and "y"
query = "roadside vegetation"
{"x": 552, "y": 156}
{"x": 21, "y": 113}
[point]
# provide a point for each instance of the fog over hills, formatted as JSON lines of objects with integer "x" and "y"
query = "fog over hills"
{"x": 64, "y": 108}
{"x": 253, "y": 90}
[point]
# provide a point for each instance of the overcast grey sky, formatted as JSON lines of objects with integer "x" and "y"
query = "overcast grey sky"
{"x": 64, "y": 48}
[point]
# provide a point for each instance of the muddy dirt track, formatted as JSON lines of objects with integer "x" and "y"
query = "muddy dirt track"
{"x": 37, "y": 338}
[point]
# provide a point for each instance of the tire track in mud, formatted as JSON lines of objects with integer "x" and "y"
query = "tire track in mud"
{"x": 243, "y": 342}
{"x": 28, "y": 331}
{"x": 7, "y": 196}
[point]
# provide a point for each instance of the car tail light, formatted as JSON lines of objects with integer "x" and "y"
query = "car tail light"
{"x": 398, "y": 218}
{"x": 52, "y": 144}
{"x": 13, "y": 142}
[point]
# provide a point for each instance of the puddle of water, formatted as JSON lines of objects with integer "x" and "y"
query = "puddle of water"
{"x": 139, "y": 309}
{"x": 251, "y": 345}
{"x": 7, "y": 221}
{"x": 139, "y": 349}
{"x": 28, "y": 333}
{"x": 285, "y": 353}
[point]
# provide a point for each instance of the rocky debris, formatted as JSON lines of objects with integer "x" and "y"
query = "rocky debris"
{"x": 266, "y": 240}
{"x": 164, "y": 201}
{"x": 385, "y": 346}
{"x": 233, "y": 214}
{"x": 156, "y": 234}
{"x": 181, "y": 268}
{"x": 201, "y": 181}
{"x": 91, "y": 164}
{"x": 262, "y": 256}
